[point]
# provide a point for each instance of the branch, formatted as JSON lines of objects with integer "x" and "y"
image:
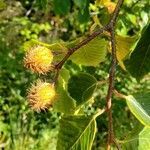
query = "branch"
{"x": 72, "y": 50}
{"x": 112, "y": 24}
{"x": 91, "y": 36}
{"x": 110, "y": 27}
{"x": 82, "y": 43}
{"x": 116, "y": 12}
{"x": 110, "y": 91}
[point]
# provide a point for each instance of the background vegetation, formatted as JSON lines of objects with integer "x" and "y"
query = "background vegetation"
{"x": 52, "y": 21}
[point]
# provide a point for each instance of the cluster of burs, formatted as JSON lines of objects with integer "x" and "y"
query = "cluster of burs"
{"x": 41, "y": 95}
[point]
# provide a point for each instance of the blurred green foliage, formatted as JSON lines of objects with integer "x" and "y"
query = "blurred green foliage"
{"x": 49, "y": 21}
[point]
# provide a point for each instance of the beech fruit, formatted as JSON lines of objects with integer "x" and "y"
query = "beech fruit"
{"x": 39, "y": 59}
{"x": 41, "y": 95}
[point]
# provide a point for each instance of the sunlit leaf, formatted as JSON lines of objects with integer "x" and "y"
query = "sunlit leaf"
{"x": 64, "y": 73}
{"x": 138, "y": 139}
{"x": 92, "y": 53}
{"x": 110, "y": 6}
{"x": 102, "y": 2}
{"x": 144, "y": 138}
{"x": 63, "y": 102}
{"x": 55, "y": 46}
{"x": 131, "y": 140}
{"x": 123, "y": 46}
{"x": 139, "y": 105}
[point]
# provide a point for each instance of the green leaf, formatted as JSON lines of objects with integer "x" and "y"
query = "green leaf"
{"x": 66, "y": 100}
{"x": 42, "y": 3}
{"x": 138, "y": 139}
{"x": 59, "y": 50}
{"x": 83, "y": 13}
{"x": 2, "y": 5}
{"x": 63, "y": 102}
{"x": 61, "y": 7}
{"x": 139, "y": 63}
{"x": 140, "y": 107}
{"x": 80, "y": 4}
{"x": 29, "y": 44}
{"x": 144, "y": 138}
{"x": 76, "y": 132}
{"x": 87, "y": 138}
{"x": 81, "y": 87}
{"x": 64, "y": 73}
{"x": 131, "y": 141}
{"x": 55, "y": 46}
{"x": 92, "y": 53}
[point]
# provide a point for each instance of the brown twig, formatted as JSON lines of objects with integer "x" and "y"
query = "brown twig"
{"x": 110, "y": 27}
{"x": 120, "y": 95}
{"x": 79, "y": 45}
{"x": 110, "y": 90}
